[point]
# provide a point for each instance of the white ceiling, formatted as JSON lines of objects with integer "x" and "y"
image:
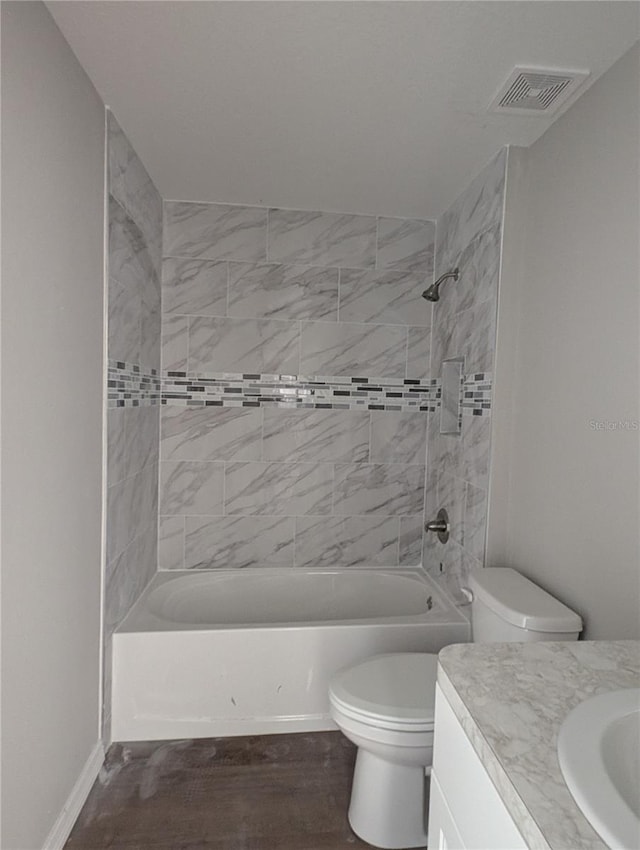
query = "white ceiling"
{"x": 371, "y": 107}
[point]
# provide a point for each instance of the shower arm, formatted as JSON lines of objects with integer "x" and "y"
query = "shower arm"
{"x": 455, "y": 274}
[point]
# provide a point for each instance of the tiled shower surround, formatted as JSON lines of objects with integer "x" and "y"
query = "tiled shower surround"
{"x": 296, "y": 386}
{"x": 135, "y": 259}
{"x": 300, "y": 384}
{"x": 469, "y": 236}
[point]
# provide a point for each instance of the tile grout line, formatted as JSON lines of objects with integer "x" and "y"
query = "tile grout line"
{"x": 226, "y": 306}
{"x": 184, "y": 542}
{"x": 267, "y": 235}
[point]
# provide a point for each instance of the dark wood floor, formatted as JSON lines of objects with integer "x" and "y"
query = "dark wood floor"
{"x": 270, "y": 792}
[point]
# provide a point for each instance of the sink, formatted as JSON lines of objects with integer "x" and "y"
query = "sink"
{"x": 599, "y": 755}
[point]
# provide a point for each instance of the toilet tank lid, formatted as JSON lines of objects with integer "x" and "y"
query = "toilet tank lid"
{"x": 521, "y": 602}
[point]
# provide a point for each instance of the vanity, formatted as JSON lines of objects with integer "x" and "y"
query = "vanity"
{"x": 496, "y": 780}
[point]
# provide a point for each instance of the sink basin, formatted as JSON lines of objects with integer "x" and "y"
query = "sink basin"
{"x": 599, "y": 754}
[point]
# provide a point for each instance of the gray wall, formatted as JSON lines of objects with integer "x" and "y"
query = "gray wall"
{"x": 565, "y": 499}
{"x": 469, "y": 236}
{"x": 272, "y": 452}
{"x": 52, "y": 385}
{"x": 134, "y": 268}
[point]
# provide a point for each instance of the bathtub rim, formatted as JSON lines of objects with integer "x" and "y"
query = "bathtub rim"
{"x": 140, "y": 620}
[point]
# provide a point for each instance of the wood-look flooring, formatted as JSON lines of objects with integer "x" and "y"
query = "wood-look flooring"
{"x": 267, "y": 792}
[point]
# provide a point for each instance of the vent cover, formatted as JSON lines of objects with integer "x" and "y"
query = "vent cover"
{"x": 538, "y": 91}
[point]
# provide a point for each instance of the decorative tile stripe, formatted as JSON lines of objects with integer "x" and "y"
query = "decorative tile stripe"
{"x": 128, "y": 385}
{"x": 299, "y": 391}
{"x": 476, "y": 394}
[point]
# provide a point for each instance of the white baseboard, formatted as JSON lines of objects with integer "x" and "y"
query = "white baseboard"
{"x": 79, "y": 793}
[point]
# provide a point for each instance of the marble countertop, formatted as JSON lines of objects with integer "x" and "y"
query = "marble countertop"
{"x": 511, "y": 699}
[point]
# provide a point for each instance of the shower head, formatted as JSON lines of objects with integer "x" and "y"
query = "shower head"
{"x": 433, "y": 294}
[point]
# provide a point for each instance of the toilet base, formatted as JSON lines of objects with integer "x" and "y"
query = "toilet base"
{"x": 387, "y": 806}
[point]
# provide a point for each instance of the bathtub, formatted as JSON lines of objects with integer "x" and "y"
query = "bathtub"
{"x": 251, "y": 651}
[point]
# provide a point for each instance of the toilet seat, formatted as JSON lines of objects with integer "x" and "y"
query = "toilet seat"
{"x": 394, "y": 691}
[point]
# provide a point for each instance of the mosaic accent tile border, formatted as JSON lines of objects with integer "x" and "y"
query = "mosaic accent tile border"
{"x": 299, "y": 391}
{"x": 476, "y": 394}
{"x": 129, "y": 386}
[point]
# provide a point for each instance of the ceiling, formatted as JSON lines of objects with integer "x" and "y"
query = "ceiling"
{"x": 370, "y": 107}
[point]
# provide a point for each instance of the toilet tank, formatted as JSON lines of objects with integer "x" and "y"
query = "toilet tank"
{"x": 506, "y": 606}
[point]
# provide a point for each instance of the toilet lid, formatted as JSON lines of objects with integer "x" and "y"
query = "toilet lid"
{"x": 389, "y": 688}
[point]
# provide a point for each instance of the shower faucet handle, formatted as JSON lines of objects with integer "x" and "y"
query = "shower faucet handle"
{"x": 440, "y": 525}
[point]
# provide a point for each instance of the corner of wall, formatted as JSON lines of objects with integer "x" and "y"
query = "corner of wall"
{"x": 507, "y": 328}
{"x": 105, "y": 430}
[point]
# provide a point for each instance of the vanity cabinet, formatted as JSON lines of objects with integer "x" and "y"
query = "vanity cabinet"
{"x": 465, "y": 809}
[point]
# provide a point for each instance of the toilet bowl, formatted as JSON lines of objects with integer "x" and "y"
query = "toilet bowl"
{"x": 385, "y": 706}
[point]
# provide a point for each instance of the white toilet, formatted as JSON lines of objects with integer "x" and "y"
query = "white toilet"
{"x": 385, "y": 705}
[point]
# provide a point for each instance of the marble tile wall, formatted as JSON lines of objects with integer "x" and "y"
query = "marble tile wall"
{"x": 134, "y": 322}
{"x": 464, "y": 325}
{"x": 297, "y": 295}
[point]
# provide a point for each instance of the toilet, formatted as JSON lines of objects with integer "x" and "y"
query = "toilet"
{"x": 385, "y": 706}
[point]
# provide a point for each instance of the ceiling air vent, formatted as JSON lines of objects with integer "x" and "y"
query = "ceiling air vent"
{"x": 538, "y": 91}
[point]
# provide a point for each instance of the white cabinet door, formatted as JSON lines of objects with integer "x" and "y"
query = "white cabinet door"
{"x": 443, "y": 833}
{"x": 481, "y": 819}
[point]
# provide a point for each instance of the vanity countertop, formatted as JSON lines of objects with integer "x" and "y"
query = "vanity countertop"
{"x": 511, "y": 699}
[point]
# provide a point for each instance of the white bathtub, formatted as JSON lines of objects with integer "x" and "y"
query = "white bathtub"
{"x": 251, "y": 651}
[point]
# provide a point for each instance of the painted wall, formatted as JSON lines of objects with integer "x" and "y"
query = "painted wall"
{"x": 134, "y": 268}
{"x": 469, "y": 237}
{"x": 565, "y": 499}
{"x": 295, "y": 382}
{"x": 52, "y": 384}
